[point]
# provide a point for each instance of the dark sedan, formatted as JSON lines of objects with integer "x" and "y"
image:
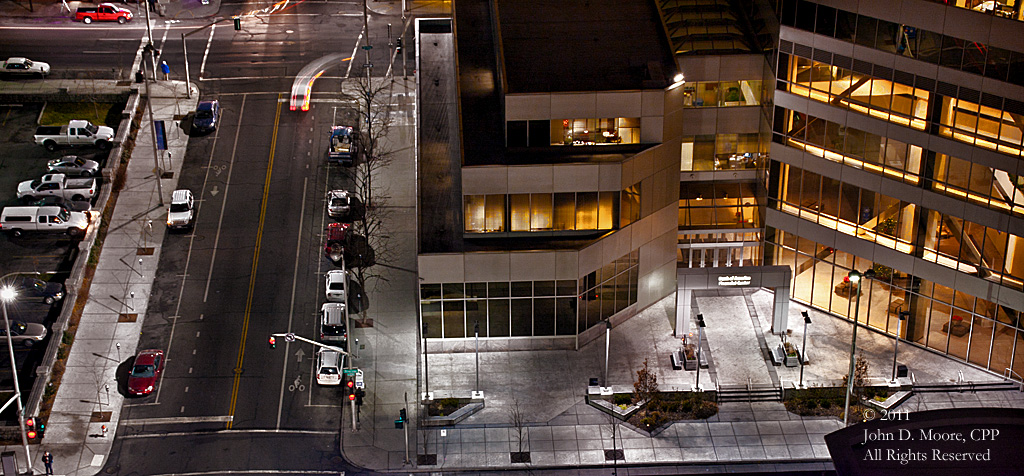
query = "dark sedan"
{"x": 207, "y": 116}
{"x": 34, "y": 287}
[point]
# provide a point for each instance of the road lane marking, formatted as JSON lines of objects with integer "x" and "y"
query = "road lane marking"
{"x": 224, "y": 203}
{"x": 178, "y": 420}
{"x": 255, "y": 265}
{"x": 181, "y": 293}
{"x": 202, "y": 67}
{"x": 291, "y": 305}
{"x": 193, "y": 434}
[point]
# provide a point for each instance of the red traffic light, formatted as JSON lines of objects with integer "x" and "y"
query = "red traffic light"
{"x": 351, "y": 396}
{"x": 273, "y": 342}
{"x": 30, "y": 428}
{"x": 351, "y": 384}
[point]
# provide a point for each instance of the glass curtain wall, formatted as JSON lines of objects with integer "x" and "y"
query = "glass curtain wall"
{"x": 530, "y": 308}
{"x": 941, "y": 318}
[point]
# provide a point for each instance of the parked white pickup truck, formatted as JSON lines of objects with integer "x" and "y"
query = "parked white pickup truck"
{"x": 76, "y": 133}
{"x": 58, "y": 185}
{"x": 51, "y": 219}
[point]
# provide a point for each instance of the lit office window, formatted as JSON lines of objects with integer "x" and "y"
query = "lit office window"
{"x": 982, "y": 126}
{"x": 595, "y": 131}
{"x": 879, "y": 98}
{"x": 722, "y": 93}
{"x": 568, "y": 211}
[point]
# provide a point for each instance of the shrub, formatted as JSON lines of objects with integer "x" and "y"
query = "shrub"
{"x": 622, "y": 399}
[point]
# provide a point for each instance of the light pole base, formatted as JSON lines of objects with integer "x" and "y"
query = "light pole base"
{"x": 606, "y": 391}
{"x": 698, "y": 388}
{"x": 477, "y": 394}
{"x": 427, "y": 396}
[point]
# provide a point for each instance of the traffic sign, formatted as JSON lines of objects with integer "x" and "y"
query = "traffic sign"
{"x": 349, "y": 371}
{"x": 367, "y": 47}
{"x": 359, "y": 379}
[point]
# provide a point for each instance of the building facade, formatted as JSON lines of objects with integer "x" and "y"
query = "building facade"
{"x": 896, "y": 147}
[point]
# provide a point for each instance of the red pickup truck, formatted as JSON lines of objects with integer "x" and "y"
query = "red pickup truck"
{"x": 103, "y": 12}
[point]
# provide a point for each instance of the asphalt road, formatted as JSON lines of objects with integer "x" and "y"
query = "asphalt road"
{"x": 252, "y": 265}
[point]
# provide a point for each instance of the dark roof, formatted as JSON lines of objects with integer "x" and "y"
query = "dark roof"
{"x": 715, "y": 27}
{"x": 590, "y": 45}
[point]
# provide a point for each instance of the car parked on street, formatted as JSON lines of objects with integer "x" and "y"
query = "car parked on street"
{"x": 206, "y": 117}
{"x": 25, "y": 334}
{"x": 339, "y": 204}
{"x": 18, "y": 66}
{"x": 181, "y": 213}
{"x": 332, "y": 323}
{"x": 335, "y": 285}
{"x": 31, "y": 286}
{"x": 328, "y": 367}
{"x": 74, "y": 165}
{"x": 149, "y": 364}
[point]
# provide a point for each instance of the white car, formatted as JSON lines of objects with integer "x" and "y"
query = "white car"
{"x": 339, "y": 203}
{"x": 332, "y": 323}
{"x": 328, "y": 367}
{"x": 181, "y": 212}
{"x": 25, "y": 67}
{"x": 336, "y": 285}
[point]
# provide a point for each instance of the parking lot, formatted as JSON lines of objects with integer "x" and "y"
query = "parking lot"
{"x": 44, "y": 256}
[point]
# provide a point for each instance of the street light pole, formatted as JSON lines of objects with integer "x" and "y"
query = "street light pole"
{"x": 803, "y": 349}
{"x": 7, "y": 295}
{"x": 855, "y": 278}
{"x": 426, "y": 364}
{"x": 903, "y": 315}
{"x": 607, "y": 348}
{"x": 700, "y": 338}
{"x": 476, "y": 335}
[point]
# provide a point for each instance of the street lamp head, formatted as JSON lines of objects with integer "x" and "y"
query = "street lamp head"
{"x": 870, "y": 273}
{"x": 7, "y": 294}
{"x": 903, "y": 315}
{"x": 807, "y": 317}
{"x": 854, "y": 276}
{"x": 700, "y": 320}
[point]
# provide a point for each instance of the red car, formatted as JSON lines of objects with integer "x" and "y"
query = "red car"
{"x": 146, "y": 372}
{"x": 335, "y": 245}
{"x": 103, "y": 12}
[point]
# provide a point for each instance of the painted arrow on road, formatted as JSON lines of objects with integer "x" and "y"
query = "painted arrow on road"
{"x": 299, "y": 355}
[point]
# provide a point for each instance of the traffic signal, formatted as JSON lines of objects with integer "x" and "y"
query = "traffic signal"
{"x": 30, "y": 429}
{"x": 359, "y": 397}
{"x": 350, "y": 389}
{"x": 273, "y": 342}
{"x": 398, "y": 44}
{"x": 400, "y": 422}
{"x": 238, "y": 23}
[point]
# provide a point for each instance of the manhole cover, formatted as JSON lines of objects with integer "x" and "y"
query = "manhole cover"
{"x": 426, "y": 460}
{"x": 167, "y": 175}
{"x": 610, "y": 455}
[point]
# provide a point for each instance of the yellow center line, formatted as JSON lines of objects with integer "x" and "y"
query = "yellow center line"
{"x": 255, "y": 264}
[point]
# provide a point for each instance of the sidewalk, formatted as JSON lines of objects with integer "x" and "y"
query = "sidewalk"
{"x": 88, "y": 398}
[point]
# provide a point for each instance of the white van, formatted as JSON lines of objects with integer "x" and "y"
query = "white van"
{"x": 52, "y": 219}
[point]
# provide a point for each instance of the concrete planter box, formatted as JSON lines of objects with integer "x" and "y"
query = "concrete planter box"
{"x": 469, "y": 407}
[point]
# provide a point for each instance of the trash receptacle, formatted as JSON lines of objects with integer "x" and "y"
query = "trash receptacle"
{"x": 139, "y": 77}
{"x": 901, "y": 371}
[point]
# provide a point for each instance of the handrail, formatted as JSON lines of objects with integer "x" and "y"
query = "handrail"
{"x": 1006, "y": 375}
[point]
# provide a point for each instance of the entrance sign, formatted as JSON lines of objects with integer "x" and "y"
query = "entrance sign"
{"x": 734, "y": 280}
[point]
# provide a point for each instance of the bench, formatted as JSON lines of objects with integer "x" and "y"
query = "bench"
{"x": 676, "y": 360}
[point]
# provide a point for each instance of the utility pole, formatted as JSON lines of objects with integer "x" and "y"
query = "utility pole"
{"x": 152, "y": 123}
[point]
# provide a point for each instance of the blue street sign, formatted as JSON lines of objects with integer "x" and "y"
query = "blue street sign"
{"x": 161, "y": 135}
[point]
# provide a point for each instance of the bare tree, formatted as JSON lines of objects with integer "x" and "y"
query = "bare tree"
{"x": 518, "y": 421}
{"x": 376, "y": 154}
